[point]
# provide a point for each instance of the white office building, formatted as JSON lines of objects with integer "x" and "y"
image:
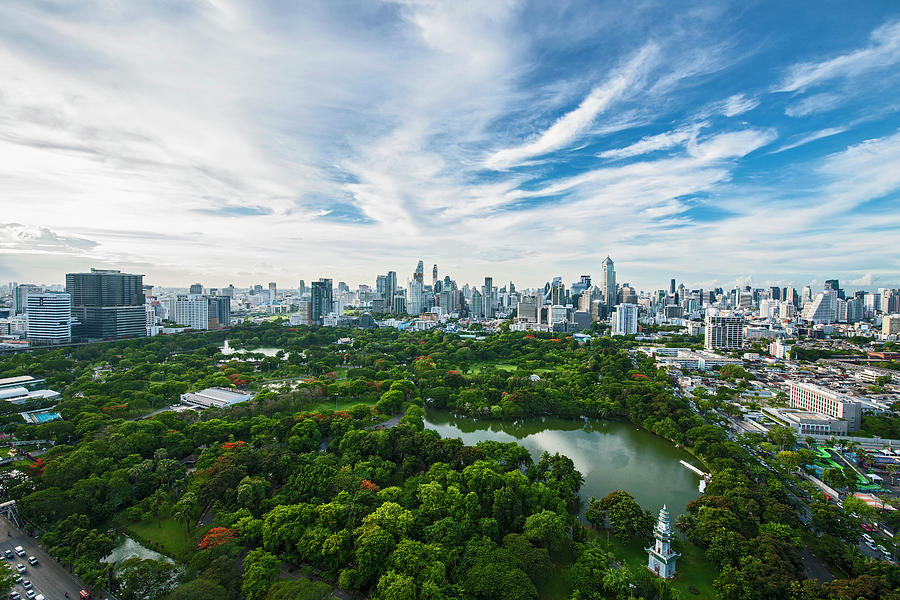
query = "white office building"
{"x": 191, "y": 311}
{"x": 625, "y": 319}
{"x": 49, "y": 318}
{"x": 812, "y": 397}
{"x": 821, "y": 310}
{"x": 724, "y": 332}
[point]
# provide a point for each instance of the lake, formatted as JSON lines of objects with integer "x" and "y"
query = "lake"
{"x": 611, "y": 455}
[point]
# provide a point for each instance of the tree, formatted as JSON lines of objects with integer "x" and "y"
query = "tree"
{"x": 301, "y": 589}
{"x": 548, "y": 529}
{"x": 783, "y": 436}
{"x": 834, "y": 477}
{"x": 390, "y": 402}
{"x": 626, "y": 517}
{"x": 260, "y": 572}
{"x": 198, "y": 589}
{"x": 7, "y": 577}
{"x": 144, "y": 579}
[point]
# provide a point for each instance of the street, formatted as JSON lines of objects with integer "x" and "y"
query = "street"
{"x": 49, "y": 577}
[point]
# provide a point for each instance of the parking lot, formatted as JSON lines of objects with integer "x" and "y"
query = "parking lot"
{"x": 49, "y": 577}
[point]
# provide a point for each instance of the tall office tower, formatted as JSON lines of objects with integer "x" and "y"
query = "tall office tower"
{"x": 322, "y": 301}
{"x": 627, "y": 295}
{"x": 724, "y": 332}
{"x": 672, "y": 286}
{"x": 434, "y": 276}
{"x": 196, "y": 289}
{"x": 49, "y": 317}
{"x": 219, "y": 312}
{"x": 608, "y": 282}
{"x": 390, "y": 289}
{"x": 228, "y": 292}
{"x": 625, "y": 319}
{"x": 527, "y": 309}
{"x": 419, "y": 274}
{"x": 856, "y": 310}
{"x": 512, "y": 288}
{"x": 20, "y": 296}
{"x": 805, "y": 295}
{"x": 835, "y": 286}
{"x": 775, "y": 293}
{"x": 789, "y": 294}
{"x": 343, "y": 288}
{"x": 273, "y": 292}
{"x": 301, "y": 289}
{"x": 487, "y": 297}
{"x": 107, "y": 304}
{"x": 890, "y": 302}
{"x": 381, "y": 287}
{"x": 822, "y": 309}
{"x": 557, "y": 292}
{"x": 476, "y": 308}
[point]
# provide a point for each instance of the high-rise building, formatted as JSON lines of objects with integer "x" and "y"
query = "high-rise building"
{"x": 672, "y": 286}
{"x": 487, "y": 297}
{"x": 834, "y": 285}
{"x": 527, "y": 309}
{"x": 49, "y": 318}
{"x": 273, "y": 292}
{"x": 822, "y": 309}
{"x": 625, "y": 319}
{"x": 107, "y": 304}
{"x": 890, "y": 325}
{"x": 196, "y": 288}
{"x": 476, "y": 307}
{"x": 390, "y": 290}
{"x": 434, "y": 276}
{"x": 322, "y": 301}
{"x": 724, "y": 332}
{"x": 20, "y": 296}
{"x": 805, "y": 295}
{"x": 608, "y": 282}
{"x": 890, "y": 302}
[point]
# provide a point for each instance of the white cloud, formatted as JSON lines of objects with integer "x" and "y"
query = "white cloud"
{"x": 811, "y": 137}
{"x": 732, "y": 144}
{"x": 653, "y": 143}
{"x": 569, "y": 126}
{"x": 815, "y": 104}
{"x": 738, "y": 104}
{"x": 866, "y": 280}
{"x": 882, "y": 52}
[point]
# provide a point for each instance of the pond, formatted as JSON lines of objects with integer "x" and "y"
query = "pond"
{"x": 129, "y": 548}
{"x": 228, "y": 350}
{"x": 611, "y": 455}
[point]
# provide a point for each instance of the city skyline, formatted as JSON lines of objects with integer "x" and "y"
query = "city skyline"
{"x": 218, "y": 142}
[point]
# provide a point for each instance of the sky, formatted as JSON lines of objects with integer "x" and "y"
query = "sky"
{"x": 224, "y": 141}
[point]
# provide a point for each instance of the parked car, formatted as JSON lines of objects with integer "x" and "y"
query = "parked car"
{"x": 26, "y": 584}
{"x": 868, "y": 537}
{"x": 9, "y": 554}
{"x": 21, "y": 568}
{"x": 33, "y": 560}
{"x": 15, "y": 596}
{"x": 871, "y": 545}
{"x": 30, "y": 594}
{"x": 19, "y": 550}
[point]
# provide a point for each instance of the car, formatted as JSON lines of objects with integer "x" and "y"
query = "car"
{"x": 21, "y": 568}
{"x": 883, "y": 549}
{"x": 15, "y": 596}
{"x": 27, "y": 585}
{"x": 33, "y": 561}
{"x": 19, "y": 550}
{"x": 9, "y": 553}
{"x": 19, "y": 579}
{"x": 30, "y": 594}
{"x": 868, "y": 537}
{"x": 870, "y": 545}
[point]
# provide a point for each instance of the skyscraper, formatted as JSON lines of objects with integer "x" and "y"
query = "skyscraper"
{"x": 487, "y": 297}
{"x": 20, "y": 296}
{"x": 321, "y": 298}
{"x": 49, "y": 318}
{"x": 273, "y": 292}
{"x": 434, "y": 275}
{"x": 608, "y": 283}
{"x": 390, "y": 290}
{"x": 672, "y": 286}
{"x": 107, "y": 304}
{"x": 196, "y": 288}
{"x": 724, "y": 332}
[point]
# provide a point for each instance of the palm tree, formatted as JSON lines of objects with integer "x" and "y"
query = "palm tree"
{"x": 810, "y": 440}
{"x": 183, "y": 513}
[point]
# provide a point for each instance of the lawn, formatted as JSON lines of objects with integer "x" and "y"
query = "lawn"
{"x": 693, "y": 568}
{"x": 167, "y": 538}
{"x": 326, "y": 405}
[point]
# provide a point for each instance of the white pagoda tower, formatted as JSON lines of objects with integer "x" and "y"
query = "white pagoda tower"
{"x": 661, "y": 556}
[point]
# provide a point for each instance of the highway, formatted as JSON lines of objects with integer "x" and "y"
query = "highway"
{"x": 49, "y": 577}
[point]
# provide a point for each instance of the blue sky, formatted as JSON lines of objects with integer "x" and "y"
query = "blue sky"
{"x": 225, "y": 141}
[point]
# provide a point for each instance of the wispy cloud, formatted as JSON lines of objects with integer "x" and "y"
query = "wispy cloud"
{"x": 811, "y": 137}
{"x": 815, "y": 104}
{"x": 883, "y": 51}
{"x": 653, "y": 143}
{"x": 738, "y": 105}
{"x": 569, "y": 126}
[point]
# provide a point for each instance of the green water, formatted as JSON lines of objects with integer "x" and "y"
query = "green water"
{"x": 611, "y": 455}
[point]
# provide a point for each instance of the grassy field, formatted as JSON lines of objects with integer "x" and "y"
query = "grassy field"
{"x": 693, "y": 568}
{"x": 168, "y": 538}
{"x": 504, "y": 366}
{"x": 326, "y": 405}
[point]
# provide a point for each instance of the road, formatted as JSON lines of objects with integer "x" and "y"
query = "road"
{"x": 49, "y": 578}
